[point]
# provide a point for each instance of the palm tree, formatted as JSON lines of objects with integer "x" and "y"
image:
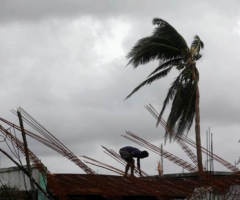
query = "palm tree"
{"x": 171, "y": 50}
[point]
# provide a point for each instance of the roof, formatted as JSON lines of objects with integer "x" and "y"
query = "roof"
{"x": 153, "y": 186}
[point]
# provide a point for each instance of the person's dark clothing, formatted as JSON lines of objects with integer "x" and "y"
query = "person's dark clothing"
{"x": 128, "y": 153}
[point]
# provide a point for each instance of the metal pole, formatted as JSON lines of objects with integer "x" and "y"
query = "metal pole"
{"x": 26, "y": 151}
{"x": 162, "y": 157}
{"x": 212, "y": 152}
{"x": 207, "y": 149}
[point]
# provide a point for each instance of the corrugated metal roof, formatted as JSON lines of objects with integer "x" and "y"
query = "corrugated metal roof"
{"x": 178, "y": 185}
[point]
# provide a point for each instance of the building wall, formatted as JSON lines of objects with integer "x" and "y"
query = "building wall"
{"x": 13, "y": 177}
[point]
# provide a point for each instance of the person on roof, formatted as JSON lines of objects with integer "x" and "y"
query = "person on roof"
{"x": 128, "y": 153}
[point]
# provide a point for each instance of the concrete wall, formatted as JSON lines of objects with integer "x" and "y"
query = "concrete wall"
{"x": 13, "y": 177}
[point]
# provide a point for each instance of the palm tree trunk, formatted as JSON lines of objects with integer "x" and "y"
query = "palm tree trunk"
{"x": 197, "y": 132}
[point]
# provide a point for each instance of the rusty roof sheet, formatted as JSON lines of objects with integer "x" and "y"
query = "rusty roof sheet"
{"x": 109, "y": 185}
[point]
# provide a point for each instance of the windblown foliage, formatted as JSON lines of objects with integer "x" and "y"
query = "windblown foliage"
{"x": 171, "y": 50}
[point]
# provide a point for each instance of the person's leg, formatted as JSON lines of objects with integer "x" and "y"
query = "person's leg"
{"x": 126, "y": 169}
{"x": 132, "y": 166}
{"x": 128, "y": 158}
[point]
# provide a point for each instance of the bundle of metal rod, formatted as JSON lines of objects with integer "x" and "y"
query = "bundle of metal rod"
{"x": 209, "y": 146}
{"x": 32, "y": 156}
{"x": 180, "y": 162}
{"x": 218, "y": 184}
{"x": 225, "y": 163}
{"x": 118, "y": 158}
{"x": 47, "y": 194}
{"x": 45, "y": 133}
{"x": 50, "y": 141}
{"x": 19, "y": 145}
{"x": 114, "y": 156}
{"x": 185, "y": 148}
{"x": 103, "y": 165}
{"x": 188, "y": 151}
{"x": 187, "y": 140}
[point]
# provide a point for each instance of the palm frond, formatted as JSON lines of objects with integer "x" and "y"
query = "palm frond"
{"x": 150, "y": 80}
{"x": 150, "y": 48}
{"x": 172, "y": 62}
{"x": 183, "y": 108}
{"x": 171, "y": 93}
{"x": 188, "y": 111}
{"x": 165, "y": 30}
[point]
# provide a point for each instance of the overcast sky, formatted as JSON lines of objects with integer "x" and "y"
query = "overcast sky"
{"x": 64, "y": 61}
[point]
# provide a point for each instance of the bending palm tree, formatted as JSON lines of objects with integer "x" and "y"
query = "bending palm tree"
{"x": 169, "y": 47}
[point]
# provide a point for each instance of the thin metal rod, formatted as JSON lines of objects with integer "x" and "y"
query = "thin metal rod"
{"x": 104, "y": 164}
{"x": 193, "y": 144}
{"x": 123, "y": 162}
{"x": 48, "y": 195}
{"x": 157, "y": 150}
{"x": 57, "y": 146}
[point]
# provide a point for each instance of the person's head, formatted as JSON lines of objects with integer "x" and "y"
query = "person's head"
{"x": 144, "y": 154}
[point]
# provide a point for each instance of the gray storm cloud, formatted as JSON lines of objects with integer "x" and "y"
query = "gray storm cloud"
{"x": 65, "y": 63}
